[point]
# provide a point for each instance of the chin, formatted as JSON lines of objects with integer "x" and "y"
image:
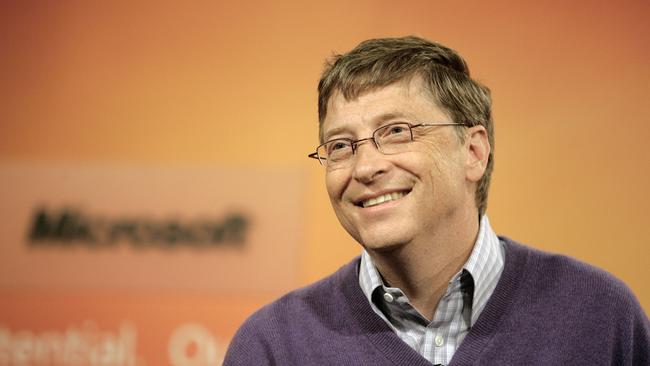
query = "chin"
{"x": 383, "y": 242}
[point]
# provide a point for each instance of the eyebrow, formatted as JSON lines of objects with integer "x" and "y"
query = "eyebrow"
{"x": 377, "y": 122}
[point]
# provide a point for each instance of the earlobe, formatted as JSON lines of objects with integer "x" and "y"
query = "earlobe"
{"x": 478, "y": 152}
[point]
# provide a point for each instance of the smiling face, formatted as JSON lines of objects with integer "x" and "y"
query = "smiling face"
{"x": 387, "y": 201}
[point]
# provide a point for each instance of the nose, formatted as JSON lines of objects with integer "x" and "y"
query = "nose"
{"x": 368, "y": 163}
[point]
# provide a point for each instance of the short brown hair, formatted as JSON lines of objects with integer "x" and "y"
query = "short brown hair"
{"x": 376, "y": 63}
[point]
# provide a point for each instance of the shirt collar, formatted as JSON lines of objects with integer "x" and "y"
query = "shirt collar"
{"x": 484, "y": 264}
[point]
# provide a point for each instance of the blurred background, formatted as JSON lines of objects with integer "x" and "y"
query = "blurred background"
{"x": 154, "y": 184}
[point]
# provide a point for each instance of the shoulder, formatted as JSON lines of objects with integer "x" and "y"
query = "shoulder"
{"x": 313, "y": 299}
{"x": 292, "y": 318}
{"x": 556, "y": 292}
{"x": 562, "y": 274}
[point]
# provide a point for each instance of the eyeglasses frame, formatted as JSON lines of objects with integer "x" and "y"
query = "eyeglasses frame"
{"x": 355, "y": 143}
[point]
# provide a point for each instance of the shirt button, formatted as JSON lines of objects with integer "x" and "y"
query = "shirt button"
{"x": 439, "y": 341}
{"x": 388, "y": 297}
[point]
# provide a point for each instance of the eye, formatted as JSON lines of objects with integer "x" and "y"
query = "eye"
{"x": 396, "y": 129}
{"x": 395, "y": 132}
{"x": 337, "y": 145}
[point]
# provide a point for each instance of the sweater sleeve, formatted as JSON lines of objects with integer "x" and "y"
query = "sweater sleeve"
{"x": 630, "y": 329}
{"x": 248, "y": 347}
{"x": 640, "y": 347}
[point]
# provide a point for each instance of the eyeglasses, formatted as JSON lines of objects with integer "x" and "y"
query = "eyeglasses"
{"x": 389, "y": 139}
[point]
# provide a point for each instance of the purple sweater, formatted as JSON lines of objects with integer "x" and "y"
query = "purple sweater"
{"x": 546, "y": 310}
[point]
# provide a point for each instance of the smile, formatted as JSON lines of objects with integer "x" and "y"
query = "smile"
{"x": 383, "y": 198}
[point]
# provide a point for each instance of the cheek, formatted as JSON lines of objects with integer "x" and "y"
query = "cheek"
{"x": 429, "y": 161}
{"x": 444, "y": 152}
{"x": 437, "y": 167}
{"x": 335, "y": 184}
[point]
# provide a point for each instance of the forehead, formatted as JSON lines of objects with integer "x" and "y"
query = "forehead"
{"x": 408, "y": 100}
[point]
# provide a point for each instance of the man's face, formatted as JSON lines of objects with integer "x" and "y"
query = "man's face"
{"x": 428, "y": 185}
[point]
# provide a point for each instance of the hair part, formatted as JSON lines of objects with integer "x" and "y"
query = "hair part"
{"x": 377, "y": 63}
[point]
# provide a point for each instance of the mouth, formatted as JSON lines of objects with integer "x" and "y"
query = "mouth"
{"x": 378, "y": 200}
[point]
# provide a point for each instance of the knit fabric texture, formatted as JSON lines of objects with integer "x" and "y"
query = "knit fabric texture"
{"x": 546, "y": 310}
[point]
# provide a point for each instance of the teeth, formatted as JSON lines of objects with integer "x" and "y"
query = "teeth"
{"x": 383, "y": 198}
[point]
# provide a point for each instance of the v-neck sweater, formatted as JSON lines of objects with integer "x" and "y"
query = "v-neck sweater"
{"x": 547, "y": 309}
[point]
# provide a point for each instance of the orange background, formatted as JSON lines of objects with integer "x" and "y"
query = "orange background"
{"x": 221, "y": 84}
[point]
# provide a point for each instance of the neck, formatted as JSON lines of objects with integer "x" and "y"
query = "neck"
{"x": 423, "y": 267}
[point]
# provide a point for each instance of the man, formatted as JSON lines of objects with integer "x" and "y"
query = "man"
{"x": 406, "y": 143}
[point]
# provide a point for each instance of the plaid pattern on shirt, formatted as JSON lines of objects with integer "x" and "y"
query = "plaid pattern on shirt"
{"x": 465, "y": 297}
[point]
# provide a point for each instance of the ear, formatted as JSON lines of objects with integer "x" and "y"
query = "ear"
{"x": 478, "y": 151}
